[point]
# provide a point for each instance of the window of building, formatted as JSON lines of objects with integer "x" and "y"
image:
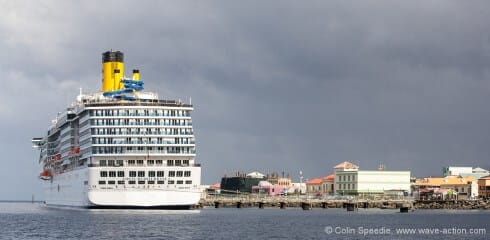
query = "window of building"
{"x": 178, "y": 162}
{"x": 139, "y": 162}
{"x": 132, "y": 173}
{"x": 121, "y": 182}
{"x": 111, "y": 182}
{"x": 170, "y": 162}
{"x": 141, "y": 182}
{"x": 120, "y": 173}
{"x": 180, "y": 182}
{"x": 151, "y": 173}
{"x": 171, "y": 173}
{"x": 171, "y": 182}
{"x": 103, "y": 163}
{"x": 112, "y": 173}
{"x": 185, "y": 162}
{"x": 141, "y": 173}
{"x": 158, "y": 162}
{"x": 119, "y": 163}
{"x": 110, "y": 163}
{"x": 160, "y": 182}
{"x": 160, "y": 173}
{"x": 131, "y": 182}
{"x": 180, "y": 173}
{"x": 188, "y": 182}
{"x": 150, "y": 162}
{"x": 151, "y": 182}
{"x": 131, "y": 162}
{"x": 101, "y": 182}
{"x": 103, "y": 174}
{"x": 187, "y": 173}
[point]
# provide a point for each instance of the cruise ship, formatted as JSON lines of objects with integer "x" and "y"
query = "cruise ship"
{"x": 122, "y": 147}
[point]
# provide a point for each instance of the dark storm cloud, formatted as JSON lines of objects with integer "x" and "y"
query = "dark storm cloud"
{"x": 277, "y": 86}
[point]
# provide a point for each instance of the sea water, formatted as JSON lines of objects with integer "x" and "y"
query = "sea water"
{"x": 36, "y": 221}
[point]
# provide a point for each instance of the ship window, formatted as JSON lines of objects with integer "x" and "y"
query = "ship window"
{"x": 171, "y": 182}
{"x": 131, "y": 182}
{"x": 132, "y": 173}
{"x": 180, "y": 182}
{"x": 160, "y": 174}
{"x": 120, "y": 182}
{"x": 151, "y": 182}
{"x": 103, "y": 174}
{"x": 160, "y": 182}
{"x": 178, "y": 162}
{"x": 131, "y": 162}
{"x": 151, "y": 173}
{"x": 141, "y": 182}
{"x": 188, "y": 182}
{"x": 101, "y": 182}
{"x": 141, "y": 173}
{"x": 120, "y": 173}
{"x": 150, "y": 162}
{"x": 119, "y": 163}
{"x": 171, "y": 173}
{"x": 185, "y": 162}
{"x": 139, "y": 162}
{"x": 103, "y": 163}
{"x": 180, "y": 173}
{"x": 112, "y": 174}
{"x": 111, "y": 182}
{"x": 159, "y": 162}
{"x": 187, "y": 173}
{"x": 170, "y": 162}
{"x": 110, "y": 163}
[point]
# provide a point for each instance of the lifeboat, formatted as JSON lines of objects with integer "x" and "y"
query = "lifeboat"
{"x": 45, "y": 175}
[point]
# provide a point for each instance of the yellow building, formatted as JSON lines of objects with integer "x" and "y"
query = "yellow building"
{"x": 448, "y": 187}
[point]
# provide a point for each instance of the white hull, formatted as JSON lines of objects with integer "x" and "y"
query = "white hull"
{"x": 70, "y": 190}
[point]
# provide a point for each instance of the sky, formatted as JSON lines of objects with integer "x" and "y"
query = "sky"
{"x": 277, "y": 86}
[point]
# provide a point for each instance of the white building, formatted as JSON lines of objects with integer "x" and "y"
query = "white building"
{"x": 456, "y": 171}
{"x": 352, "y": 181}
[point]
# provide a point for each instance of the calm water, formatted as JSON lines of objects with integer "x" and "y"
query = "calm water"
{"x": 34, "y": 221}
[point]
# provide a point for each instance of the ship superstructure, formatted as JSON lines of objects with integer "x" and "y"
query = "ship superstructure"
{"x": 120, "y": 148}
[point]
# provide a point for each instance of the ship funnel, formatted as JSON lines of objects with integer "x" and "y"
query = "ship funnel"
{"x": 136, "y": 74}
{"x": 112, "y": 71}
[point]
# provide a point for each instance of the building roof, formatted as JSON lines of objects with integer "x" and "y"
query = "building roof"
{"x": 346, "y": 165}
{"x": 445, "y": 181}
{"x": 330, "y": 177}
{"x": 264, "y": 184}
{"x": 215, "y": 186}
{"x": 255, "y": 175}
{"x": 479, "y": 170}
{"x": 315, "y": 181}
{"x": 485, "y": 178}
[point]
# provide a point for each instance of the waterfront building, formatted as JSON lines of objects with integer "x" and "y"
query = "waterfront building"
{"x": 484, "y": 187}
{"x": 328, "y": 184}
{"x": 449, "y": 187}
{"x": 314, "y": 186}
{"x": 265, "y": 187}
{"x": 349, "y": 180}
{"x": 241, "y": 182}
{"x": 299, "y": 188}
{"x": 456, "y": 171}
{"x": 465, "y": 171}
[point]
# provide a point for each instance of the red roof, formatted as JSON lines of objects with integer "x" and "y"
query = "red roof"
{"x": 315, "y": 181}
{"x": 215, "y": 186}
{"x": 329, "y": 177}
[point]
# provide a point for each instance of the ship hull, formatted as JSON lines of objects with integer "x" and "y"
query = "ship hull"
{"x": 70, "y": 190}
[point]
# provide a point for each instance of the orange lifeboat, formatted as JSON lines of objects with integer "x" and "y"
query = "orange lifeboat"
{"x": 45, "y": 175}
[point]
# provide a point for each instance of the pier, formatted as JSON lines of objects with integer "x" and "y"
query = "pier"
{"x": 305, "y": 203}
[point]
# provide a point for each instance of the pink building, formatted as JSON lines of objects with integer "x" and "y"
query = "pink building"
{"x": 267, "y": 188}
